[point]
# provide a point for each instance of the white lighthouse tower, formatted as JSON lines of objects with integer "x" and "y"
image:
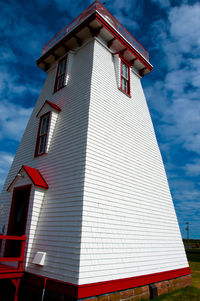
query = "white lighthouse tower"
{"x": 87, "y": 186}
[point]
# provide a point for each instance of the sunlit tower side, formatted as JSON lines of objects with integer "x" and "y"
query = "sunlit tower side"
{"x": 88, "y": 186}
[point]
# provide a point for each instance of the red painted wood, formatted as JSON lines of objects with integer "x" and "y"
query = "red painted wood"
{"x": 6, "y": 259}
{"x": 89, "y": 290}
{"x": 35, "y": 176}
{"x": 17, "y": 289}
{"x": 92, "y": 17}
{"x": 12, "y": 275}
{"x": 6, "y": 270}
{"x": 12, "y": 249}
{"x": 100, "y": 288}
{"x": 115, "y": 34}
{"x": 10, "y": 237}
{"x": 53, "y": 105}
{"x": 20, "y": 264}
{"x": 78, "y": 23}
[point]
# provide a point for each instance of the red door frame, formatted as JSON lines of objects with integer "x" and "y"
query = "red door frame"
{"x": 13, "y": 211}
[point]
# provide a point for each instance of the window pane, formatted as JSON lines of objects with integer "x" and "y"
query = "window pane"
{"x": 44, "y": 125}
{"x": 125, "y": 85}
{"x": 124, "y": 70}
{"x": 60, "y": 83}
{"x": 61, "y": 74}
{"x": 42, "y": 144}
{"x": 62, "y": 67}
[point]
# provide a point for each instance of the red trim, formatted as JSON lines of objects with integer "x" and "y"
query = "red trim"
{"x": 109, "y": 28}
{"x": 100, "y": 288}
{"x": 88, "y": 290}
{"x": 53, "y": 105}
{"x": 10, "y": 237}
{"x": 95, "y": 6}
{"x": 38, "y": 134}
{"x": 35, "y": 176}
{"x": 11, "y": 274}
{"x": 125, "y": 61}
{"x": 7, "y": 269}
{"x": 56, "y": 37}
{"x": 12, "y": 214}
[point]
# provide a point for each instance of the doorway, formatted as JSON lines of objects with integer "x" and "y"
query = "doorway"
{"x": 17, "y": 219}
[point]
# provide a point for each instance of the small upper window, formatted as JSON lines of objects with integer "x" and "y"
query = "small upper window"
{"x": 125, "y": 77}
{"x": 61, "y": 74}
{"x": 41, "y": 143}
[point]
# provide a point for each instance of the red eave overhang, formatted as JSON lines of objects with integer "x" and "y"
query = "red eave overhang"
{"x": 123, "y": 41}
{"x": 65, "y": 38}
{"x": 105, "y": 24}
{"x": 53, "y": 105}
{"x": 34, "y": 176}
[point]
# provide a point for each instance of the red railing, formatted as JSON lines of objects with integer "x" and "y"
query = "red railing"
{"x": 19, "y": 259}
{"x": 98, "y": 7}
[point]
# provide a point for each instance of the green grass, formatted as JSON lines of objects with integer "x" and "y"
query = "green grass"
{"x": 190, "y": 293}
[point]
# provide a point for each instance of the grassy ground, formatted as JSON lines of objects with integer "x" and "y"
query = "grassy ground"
{"x": 190, "y": 293}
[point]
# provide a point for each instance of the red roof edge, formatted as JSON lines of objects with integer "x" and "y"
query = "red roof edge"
{"x": 34, "y": 175}
{"x": 53, "y": 105}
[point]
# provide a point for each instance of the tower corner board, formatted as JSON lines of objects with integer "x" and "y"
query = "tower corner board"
{"x": 88, "y": 186}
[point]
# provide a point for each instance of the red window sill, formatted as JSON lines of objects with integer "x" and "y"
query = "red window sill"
{"x": 39, "y": 155}
{"x": 128, "y": 94}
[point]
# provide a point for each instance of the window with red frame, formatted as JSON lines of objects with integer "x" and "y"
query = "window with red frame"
{"x": 42, "y": 134}
{"x": 61, "y": 74}
{"x": 125, "y": 77}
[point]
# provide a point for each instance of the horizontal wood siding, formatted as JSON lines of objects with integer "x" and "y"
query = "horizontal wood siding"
{"x": 108, "y": 212}
{"x": 54, "y": 223}
{"x": 129, "y": 223}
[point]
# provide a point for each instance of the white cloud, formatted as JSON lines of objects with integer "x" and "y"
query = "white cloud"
{"x": 13, "y": 120}
{"x": 127, "y": 12}
{"x": 176, "y": 97}
{"x": 27, "y": 34}
{"x": 10, "y": 84}
{"x": 185, "y": 27}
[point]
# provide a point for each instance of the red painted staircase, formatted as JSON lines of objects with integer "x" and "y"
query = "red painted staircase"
{"x": 15, "y": 274}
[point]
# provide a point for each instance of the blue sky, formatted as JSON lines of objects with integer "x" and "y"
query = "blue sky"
{"x": 168, "y": 29}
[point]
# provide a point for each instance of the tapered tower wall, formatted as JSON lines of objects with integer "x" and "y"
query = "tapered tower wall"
{"x": 129, "y": 225}
{"x": 54, "y": 219}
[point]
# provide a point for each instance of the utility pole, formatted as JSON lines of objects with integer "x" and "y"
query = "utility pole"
{"x": 187, "y": 229}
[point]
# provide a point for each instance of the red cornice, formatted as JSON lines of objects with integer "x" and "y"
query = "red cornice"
{"x": 131, "y": 49}
{"x": 96, "y": 16}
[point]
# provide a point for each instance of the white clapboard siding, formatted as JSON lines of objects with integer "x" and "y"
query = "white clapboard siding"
{"x": 129, "y": 223}
{"x": 107, "y": 213}
{"x": 54, "y": 225}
